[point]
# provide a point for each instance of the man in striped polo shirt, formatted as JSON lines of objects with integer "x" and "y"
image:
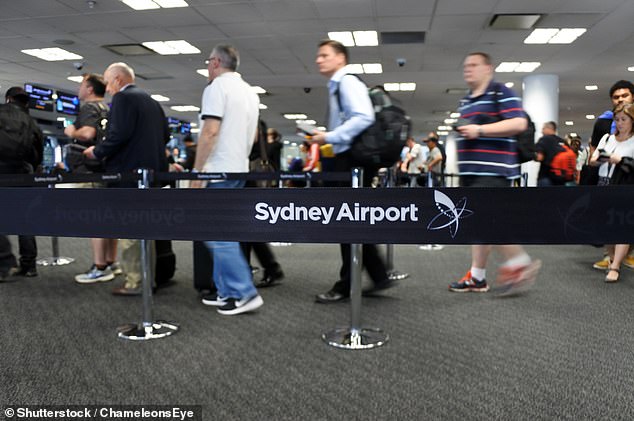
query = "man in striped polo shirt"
{"x": 487, "y": 157}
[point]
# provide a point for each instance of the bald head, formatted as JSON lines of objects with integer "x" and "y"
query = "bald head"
{"x": 116, "y": 76}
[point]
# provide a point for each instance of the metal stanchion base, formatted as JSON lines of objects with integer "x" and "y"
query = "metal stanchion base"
{"x": 395, "y": 275}
{"x": 348, "y": 338}
{"x": 55, "y": 261}
{"x": 138, "y": 332}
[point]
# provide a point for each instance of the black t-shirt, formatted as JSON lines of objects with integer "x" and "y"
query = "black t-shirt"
{"x": 601, "y": 127}
{"x": 549, "y": 146}
{"x": 91, "y": 114}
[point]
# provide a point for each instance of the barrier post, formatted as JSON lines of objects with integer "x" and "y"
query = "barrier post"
{"x": 355, "y": 337}
{"x": 392, "y": 274}
{"x": 430, "y": 247}
{"x": 147, "y": 329}
{"x": 56, "y": 259}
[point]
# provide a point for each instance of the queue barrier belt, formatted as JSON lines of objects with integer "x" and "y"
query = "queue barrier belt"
{"x": 553, "y": 215}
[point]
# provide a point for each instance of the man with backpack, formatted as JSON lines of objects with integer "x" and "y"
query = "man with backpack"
{"x": 558, "y": 163}
{"x": 350, "y": 113}
{"x": 89, "y": 130}
{"x": 488, "y": 157}
{"x": 21, "y": 149}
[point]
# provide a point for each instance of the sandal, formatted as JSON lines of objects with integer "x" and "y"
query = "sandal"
{"x": 611, "y": 280}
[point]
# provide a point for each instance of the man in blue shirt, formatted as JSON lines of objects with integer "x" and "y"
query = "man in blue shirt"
{"x": 487, "y": 157}
{"x": 350, "y": 112}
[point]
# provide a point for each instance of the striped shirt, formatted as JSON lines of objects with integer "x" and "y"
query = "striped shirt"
{"x": 489, "y": 156}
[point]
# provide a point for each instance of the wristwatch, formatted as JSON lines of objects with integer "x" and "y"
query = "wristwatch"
{"x": 480, "y": 131}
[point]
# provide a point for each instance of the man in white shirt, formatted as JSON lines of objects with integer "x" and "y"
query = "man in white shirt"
{"x": 229, "y": 112}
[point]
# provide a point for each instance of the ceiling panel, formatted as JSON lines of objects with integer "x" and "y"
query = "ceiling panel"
{"x": 329, "y": 9}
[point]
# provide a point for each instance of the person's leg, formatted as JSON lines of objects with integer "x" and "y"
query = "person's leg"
{"x": 99, "y": 251}
{"x": 620, "y": 251}
{"x": 7, "y": 259}
{"x": 272, "y": 269}
{"x": 231, "y": 271}
{"x": 28, "y": 252}
{"x": 518, "y": 272}
{"x": 111, "y": 250}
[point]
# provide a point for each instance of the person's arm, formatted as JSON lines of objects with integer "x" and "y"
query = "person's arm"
{"x": 207, "y": 141}
{"x": 83, "y": 134}
{"x": 314, "y": 158}
{"x": 120, "y": 127}
{"x": 503, "y": 128}
{"x": 357, "y": 109}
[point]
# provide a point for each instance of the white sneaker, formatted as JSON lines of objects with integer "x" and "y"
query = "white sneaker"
{"x": 116, "y": 268}
{"x": 214, "y": 300}
{"x": 235, "y": 306}
{"x": 95, "y": 275}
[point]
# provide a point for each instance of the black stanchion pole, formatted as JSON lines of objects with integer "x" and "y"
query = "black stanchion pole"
{"x": 147, "y": 329}
{"x": 355, "y": 337}
{"x": 56, "y": 259}
{"x": 392, "y": 273}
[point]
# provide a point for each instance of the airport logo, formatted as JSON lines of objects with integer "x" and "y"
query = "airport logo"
{"x": 449, "y": 215}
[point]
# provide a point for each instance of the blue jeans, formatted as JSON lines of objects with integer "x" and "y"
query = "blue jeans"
{"x": 231, "y": 273}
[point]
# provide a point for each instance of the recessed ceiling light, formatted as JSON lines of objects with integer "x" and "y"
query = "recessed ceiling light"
{"x": 391, "y": 87}
{"x": 573, "y": 134}
{"x": 590, "y": 116}
{"x": 194, "y": 130}
{"x": 171, "y": 47}
{"x": 519, "y": 67}
{"x": 444, "y": 128}
{"x": 154, "y": 4}
{"x": 356, "y": 38}
{"x": 203, "y": 72}
{"x": 263, "y": 106}
{"x": 184, "y": 108}
{"x": 450, "y": 120}
{"x": 365, "y": 38}
{"x": 408, "y": 86}
{"x": 509, "y": 84}
{"x": 356, "y": 69}
{"x": 312, "y": 122}
{"x": 454, "y": 115}
{"x": 630, "y": 69}
{"x": 374, "y": 68}
{"x": 159, "y": 98}
{"x": 52, "y": 54}
{"x": 569, "y": 123}
{"x": 399, "y": 86}
{"x": 554, "y": 35}
{"x": 291, "y": 116}
{"x": 591, "y": 87}
{"x": 343, "y": 37}
{"x": 442, "y": 133}
{"x": 78, "y": 79}
{"x": 257, "y": 89}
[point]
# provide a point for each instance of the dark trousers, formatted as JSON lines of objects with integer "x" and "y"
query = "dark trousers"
{"x": 7, "y": 259}
{"x": 264, "y": 255}
{"x": 372, "y": 260}
{"x": 28, "y": 253}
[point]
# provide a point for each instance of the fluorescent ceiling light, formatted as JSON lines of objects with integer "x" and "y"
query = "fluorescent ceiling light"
{"x": 366, "y": 38}
{"x": 257, "y": 89}
{"x": 343, "y": 37}
{"x": 374, "y": 68}
{"x": 159, "y": 98}
{"x": 263, "y": 106}
{"x": 591, "y": 87}
{"x": 171, "y": 47}
{"x": 444, "y": 128}
{"x": 154, "y": 4}
{"x": 567, "y": 36}
{"x": 52, "y": 54}
{"x": 356, "y": 38}
{"x": 450, "y": 120}
{"x": 78, "y": 79}
{"x": 507, "y": 66}
{"x": 355, "y": 68}
{"x": 184, "y": 108}
{"x": 630, "y": 69}
{"x": 515, "y": 66}
{"x": 194, "y": 130}
{"x": 203, "y": 72}
{"x": 141, "y": 4}
{"x": 554, "y": 35}
{"x": 454, "y": 115}
{"x": 573, "y": 134}
{"x": 408, "y": 86}
{"x": 590, "y": 116}
{"x": 540, "y": 36}
{"x": 509, "y": 84}
{"x": 569, "y": 123}
{"x": 391, "y": 87}
{"x": 295, "y": 116}
{"x": 442, "y": 133}
{"x": 167, "y": 4}
{"x": 313, "y": 122}
{"x": 192, "y": 124}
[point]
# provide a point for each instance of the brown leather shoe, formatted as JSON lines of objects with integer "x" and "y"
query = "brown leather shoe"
{"x": 126, "y": 291}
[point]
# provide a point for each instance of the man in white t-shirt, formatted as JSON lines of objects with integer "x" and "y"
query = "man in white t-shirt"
{"x": 229, "y": 113}
{"x": 413, "y": 163}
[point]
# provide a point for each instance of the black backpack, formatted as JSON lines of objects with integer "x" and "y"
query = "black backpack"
{"x": 526, "y": 149}
{"x": 380, "y": 144}
{"x": 16, "y": 135}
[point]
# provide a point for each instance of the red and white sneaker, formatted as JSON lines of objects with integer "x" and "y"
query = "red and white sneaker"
{"x": 513, "y": 280}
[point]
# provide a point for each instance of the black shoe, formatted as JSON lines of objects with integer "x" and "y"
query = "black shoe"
{"x": 269, "y": 278}
{"x": 331, "y": 297}
{"x": 21, "y": 271}
{"x": 379, "y": 286}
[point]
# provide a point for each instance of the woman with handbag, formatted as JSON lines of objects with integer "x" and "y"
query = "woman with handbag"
{"x": 611, "y": 153}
